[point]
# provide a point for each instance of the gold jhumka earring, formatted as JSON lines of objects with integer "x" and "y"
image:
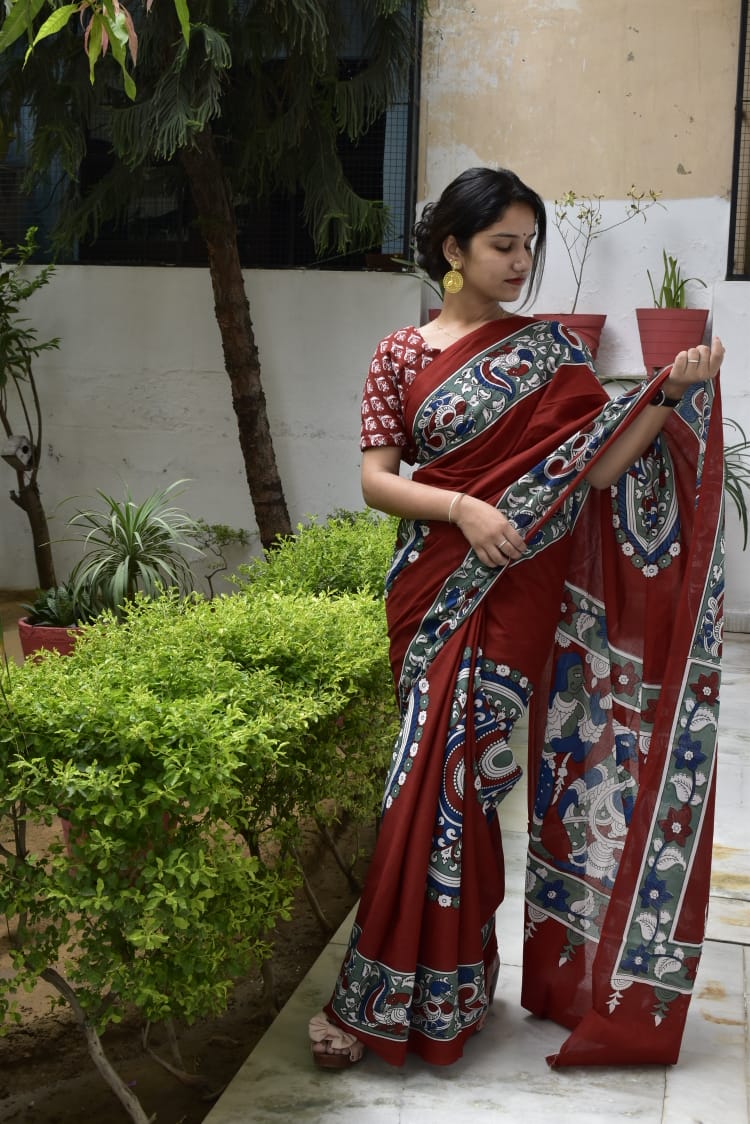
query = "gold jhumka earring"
{"x": 453, "y": 282}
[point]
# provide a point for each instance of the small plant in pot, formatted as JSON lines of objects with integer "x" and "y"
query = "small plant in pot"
{"x": 53, "y": 620}
{"x": 669, "y": 326}
{"x": 129, "y": 548}
{"x": 579, "y": 222}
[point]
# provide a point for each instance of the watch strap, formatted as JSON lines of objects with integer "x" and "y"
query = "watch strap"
{"x": 660, "y": 399}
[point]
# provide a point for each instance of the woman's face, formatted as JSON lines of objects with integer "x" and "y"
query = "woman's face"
{"x": 497, "y": 261}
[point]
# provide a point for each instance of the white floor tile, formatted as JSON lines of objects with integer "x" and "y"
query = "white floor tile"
{"x": 728, "y": 920}
{"x": 709, "y": 1085}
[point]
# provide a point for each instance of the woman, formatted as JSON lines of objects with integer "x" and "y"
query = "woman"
{"x": 558, "y": 547}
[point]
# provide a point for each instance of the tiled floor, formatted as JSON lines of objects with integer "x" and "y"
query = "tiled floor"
{"x": 503, "y": 1076}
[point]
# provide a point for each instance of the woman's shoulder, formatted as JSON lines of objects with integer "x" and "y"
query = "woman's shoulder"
{"x": 409, "y": 337}
{"x": 403, "y": 348}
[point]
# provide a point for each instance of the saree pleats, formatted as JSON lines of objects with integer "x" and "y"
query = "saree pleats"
{"x": 610, "y": 626}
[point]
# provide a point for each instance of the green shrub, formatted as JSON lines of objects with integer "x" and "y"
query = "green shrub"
{"x": 185, "y": 746}
{"x": 349, "y": 553}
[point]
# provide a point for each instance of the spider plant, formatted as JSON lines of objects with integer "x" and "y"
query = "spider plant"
{"x": 737, "y": 474}
{"x": 131, "y": 548}
{"x": 673, "y": 284}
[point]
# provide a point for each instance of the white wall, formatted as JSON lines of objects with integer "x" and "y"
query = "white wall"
{"x": 732, "y": 324}
{"x": 615, "y": 280}
{"x": 137, "y": 393}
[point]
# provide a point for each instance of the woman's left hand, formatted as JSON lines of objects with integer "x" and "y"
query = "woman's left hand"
{"x": 697, "y": 364}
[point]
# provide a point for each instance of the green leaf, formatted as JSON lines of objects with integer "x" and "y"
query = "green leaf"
{"x": 118, "y": 38}
{"x": 118, "y": 29}
{"x": 18, "y": 20}
{"x": 183, "y": 16}
{"x": 94, "y": 45}
{"x": 56, "y": 22}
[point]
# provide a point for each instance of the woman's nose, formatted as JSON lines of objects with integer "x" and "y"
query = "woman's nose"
{"x": 522, "y": 260}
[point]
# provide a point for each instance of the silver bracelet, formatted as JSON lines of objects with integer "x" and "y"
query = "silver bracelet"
{"x": 456, "y": 498}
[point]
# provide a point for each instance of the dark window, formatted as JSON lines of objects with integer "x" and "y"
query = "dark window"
{"x": 739, "y": 229}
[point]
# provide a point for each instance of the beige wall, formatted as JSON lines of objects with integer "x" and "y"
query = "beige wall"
{"x": 586, "y": 94}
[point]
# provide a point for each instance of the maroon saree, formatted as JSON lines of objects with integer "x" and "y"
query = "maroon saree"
{"x": 610, "y": 628}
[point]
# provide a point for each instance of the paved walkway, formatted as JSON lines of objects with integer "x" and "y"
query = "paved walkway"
{"x": 503, "y": 1075}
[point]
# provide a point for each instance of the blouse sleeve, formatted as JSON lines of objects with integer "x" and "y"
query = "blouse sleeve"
{"x": 393, "y": 367}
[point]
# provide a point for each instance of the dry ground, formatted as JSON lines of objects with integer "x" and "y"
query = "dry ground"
{"x": 46, "y": 1076}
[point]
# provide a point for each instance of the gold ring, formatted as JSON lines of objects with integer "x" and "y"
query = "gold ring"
{"x": 693, "y": 360}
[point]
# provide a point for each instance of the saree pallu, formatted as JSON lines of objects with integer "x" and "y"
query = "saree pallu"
{"x": 610, "y": 627}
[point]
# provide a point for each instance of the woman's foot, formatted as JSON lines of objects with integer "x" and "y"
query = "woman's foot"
{"x": 332, "y": 1047}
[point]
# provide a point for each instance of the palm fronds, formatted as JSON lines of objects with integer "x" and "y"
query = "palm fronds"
{"x": 737, "y": 474}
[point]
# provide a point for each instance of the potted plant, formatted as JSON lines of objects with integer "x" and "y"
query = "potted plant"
{"x": 128, "y": 548}
{"x": 578, "y": 219}
{"x": 53, "y": 621}
{"x": 669, "y": 326}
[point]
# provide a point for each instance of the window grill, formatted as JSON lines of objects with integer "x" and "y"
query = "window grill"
{"x": 739, "y": 228}
{"x": 12, "y": 204}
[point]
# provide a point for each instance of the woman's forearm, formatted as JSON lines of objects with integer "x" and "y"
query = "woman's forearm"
{"x": 398, "y": 495}
{"x": 626, "y": 450}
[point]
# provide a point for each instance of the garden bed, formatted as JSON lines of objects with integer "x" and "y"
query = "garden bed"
{"x": 46, "y": 1076}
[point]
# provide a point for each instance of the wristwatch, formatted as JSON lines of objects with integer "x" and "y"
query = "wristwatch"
{"x": 660, "y": 399}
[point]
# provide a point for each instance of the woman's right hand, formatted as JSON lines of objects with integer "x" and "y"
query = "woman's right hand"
{"x": 492, "y": 537}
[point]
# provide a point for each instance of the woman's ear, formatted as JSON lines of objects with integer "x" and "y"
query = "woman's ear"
{"x": 451, "y": 251}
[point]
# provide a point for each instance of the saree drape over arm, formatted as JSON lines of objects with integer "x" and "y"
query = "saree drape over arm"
{"x": 611, "y": 626}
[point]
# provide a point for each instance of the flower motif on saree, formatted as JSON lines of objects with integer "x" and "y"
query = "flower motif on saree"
{"x": 446, "y": 419}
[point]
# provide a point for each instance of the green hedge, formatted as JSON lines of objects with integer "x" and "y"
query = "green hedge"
{"x": 186, "y": 746}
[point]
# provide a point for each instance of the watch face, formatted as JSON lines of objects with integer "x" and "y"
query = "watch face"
{"x": 660, "y": 399}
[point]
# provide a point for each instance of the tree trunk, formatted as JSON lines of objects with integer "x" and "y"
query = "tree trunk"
{"x": 29, "y": 500}
{"x": 128, "y": 1100}
{"x": 213, "y": 201}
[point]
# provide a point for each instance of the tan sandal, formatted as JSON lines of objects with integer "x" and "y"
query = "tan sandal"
{"x": 335, "y": 1048}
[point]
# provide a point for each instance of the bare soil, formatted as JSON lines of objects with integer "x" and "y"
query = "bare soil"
{"x": 46, "y": 1076}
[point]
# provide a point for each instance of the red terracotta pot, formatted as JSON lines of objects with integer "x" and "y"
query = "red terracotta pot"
{"x": 46, "y": 637}
{"x": 587, "y": 325}
{"x": 665, "y": 331}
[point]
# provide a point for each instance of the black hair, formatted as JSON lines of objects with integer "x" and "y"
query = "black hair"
{"x": 470, "y": 203}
